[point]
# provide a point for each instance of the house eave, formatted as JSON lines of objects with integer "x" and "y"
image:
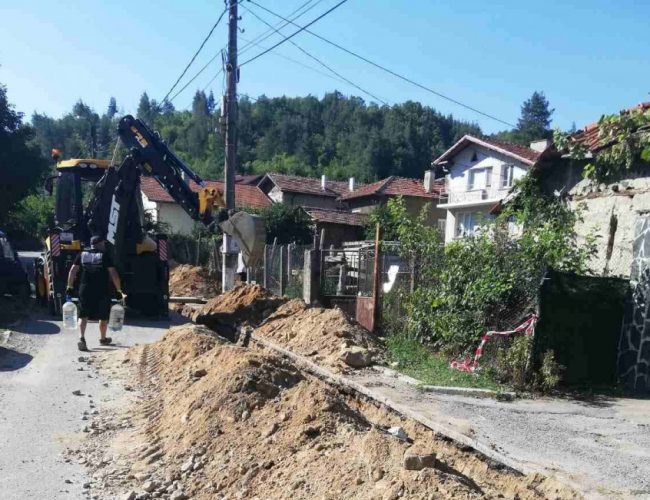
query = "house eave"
{"x": 469, "y": 204}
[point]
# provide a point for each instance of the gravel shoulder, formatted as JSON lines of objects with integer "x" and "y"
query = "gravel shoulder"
{"x": 39, "y": 414}
{"x": 601, "y": 446}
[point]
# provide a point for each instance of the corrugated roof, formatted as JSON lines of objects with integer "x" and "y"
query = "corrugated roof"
{"x": 246, "y": 196}
{"x": 521, "y": 153}
{"x": 590, "y": 135}
{"x": 337, "y": 217}
{"x": 307, "y": 185}
{"x": 397, "y": 186}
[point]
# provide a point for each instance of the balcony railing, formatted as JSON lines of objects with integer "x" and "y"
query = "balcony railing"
{"x": 477, "y": 195}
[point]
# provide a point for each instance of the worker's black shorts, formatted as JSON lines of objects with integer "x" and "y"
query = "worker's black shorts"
{"x": 94, "y": 306}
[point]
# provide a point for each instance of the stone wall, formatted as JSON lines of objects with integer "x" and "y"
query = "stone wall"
{"x": 634, "y": 346}
{"x": 608, "y": 214}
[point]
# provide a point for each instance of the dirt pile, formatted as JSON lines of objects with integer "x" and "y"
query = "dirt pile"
{"x": 326, "y": 335}
{"x": 221, "y": 421}
{"x": 243, "y": 305}
{"x": 192, "y": 281}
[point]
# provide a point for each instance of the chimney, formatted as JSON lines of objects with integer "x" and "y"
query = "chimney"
{"x": 429, "y": 177}
{"x": 541, "y": 145}
{"x": 323, "y": 182}
{"x": 351, "y": 184}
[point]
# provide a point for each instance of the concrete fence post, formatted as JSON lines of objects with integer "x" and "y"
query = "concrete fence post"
{"x": 283, "y": 273}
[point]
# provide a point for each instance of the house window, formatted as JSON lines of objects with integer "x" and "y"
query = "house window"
{"x": 442, "y": 225}
{"x": 466, "y": 223}
{"x": 471, "y": 180}
{"x": 488, "y": 177}
{"x": 479, "y": 178}
{"x": 507, "y": 176}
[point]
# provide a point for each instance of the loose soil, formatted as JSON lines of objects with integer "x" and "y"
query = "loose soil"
{"x": 244, "y": 305}
{"x": 316, "y": 332}
{"x": 216, "y": 420}
{"x": 191, "y": 281}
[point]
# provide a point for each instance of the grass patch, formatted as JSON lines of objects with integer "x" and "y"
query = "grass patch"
{"x": 418, "y": 362}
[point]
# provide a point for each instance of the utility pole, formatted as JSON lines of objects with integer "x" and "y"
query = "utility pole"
{"x": 230, "y": 106}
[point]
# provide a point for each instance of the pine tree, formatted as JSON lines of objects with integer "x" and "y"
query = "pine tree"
{"x": 144, "y": 108}
{"x": 211, "y": 103}
{"x": 112, "y": 108}
{"x": 167, "y": 108}
{"x": 535, "y": 120}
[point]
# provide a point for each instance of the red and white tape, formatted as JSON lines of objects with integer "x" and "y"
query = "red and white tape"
{"x": 470, "y": 365}
{"x": 162, "y": 249}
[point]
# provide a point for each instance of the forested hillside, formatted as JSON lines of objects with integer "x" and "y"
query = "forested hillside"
{"x": 337, "y": 135}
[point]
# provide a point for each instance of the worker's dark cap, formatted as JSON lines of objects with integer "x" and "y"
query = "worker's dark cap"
{"x": 96, "y": 239}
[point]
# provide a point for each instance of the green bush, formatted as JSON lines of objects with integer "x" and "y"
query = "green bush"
{"x": 513, "y": 362}
{"x": 485, "y": 282}
{"x": 550, "y": 373}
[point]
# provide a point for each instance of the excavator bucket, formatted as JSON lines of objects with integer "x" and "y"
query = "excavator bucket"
{"x": 249, "y": 233}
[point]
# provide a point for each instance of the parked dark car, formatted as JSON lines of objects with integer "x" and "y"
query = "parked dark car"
{"x": 13, "y": 278}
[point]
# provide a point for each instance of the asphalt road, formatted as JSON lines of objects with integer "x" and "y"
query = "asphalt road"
{"x": 39, "y": 415}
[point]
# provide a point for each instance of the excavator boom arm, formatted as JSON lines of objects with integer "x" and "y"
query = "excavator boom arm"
{"x": 116, "y": 209}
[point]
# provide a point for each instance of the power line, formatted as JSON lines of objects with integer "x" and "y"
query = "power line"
{"x": 303, "y": 28}
{"x": 249, "y": 44}
{"x": 295, "y": 61}
{"x": 350, "y": 82}
{"x": 205, "y": 40}
{"x": 269, "y": 32}
{"x": 383, "y": 68}
{"x": 195, "y": 77}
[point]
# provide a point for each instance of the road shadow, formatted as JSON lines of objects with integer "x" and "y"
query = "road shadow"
{"x": 11, "y": 360}
{"x": 37, "y": 326}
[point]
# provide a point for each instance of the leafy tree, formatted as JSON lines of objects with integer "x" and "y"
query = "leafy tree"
{"x": 32, "y": 216}
{"x": 21, "y": 164}
{"x": 475, "y": 283}
{"x": 625, "y": 146}
{"x": 287, "y": 224}
{"x": 535, "y": 120}
{"x": 340, "y": 136}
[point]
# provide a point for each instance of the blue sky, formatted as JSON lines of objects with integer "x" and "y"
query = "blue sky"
{"x": 589, "y": 57}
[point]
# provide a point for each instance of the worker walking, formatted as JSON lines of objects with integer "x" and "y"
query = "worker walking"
{"x": 97, "y": 267}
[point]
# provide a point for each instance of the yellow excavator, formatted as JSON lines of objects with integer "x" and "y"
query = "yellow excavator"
{"x": 115, "y": 212}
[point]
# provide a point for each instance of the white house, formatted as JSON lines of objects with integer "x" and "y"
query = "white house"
{"x": 480, "y": 173}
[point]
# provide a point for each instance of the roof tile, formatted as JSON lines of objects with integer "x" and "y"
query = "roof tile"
{"x": 590, "y": 135}
{"x": 397, "y": 186}
{"x": 246, "y": 196}
{"x": 337, "y": 217}
{"x": 308, "y": 185}
{"x": 526, "y": 154}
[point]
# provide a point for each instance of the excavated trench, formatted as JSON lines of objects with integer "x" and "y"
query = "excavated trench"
{"x": 218, "y": 420}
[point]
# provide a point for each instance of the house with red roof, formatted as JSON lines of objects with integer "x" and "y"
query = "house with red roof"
{"x": 479, "y": 174}
{"x": 342, "y": 208}
{"x": 416, "y": 194}
{"x": 162, "y": 207}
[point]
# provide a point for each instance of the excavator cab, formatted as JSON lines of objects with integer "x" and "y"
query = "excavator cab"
{"x": 72, "y": 184}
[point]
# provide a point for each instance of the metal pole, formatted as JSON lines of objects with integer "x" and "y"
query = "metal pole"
{"x": 229, "y": 255}
{"x": 376, "y": 279}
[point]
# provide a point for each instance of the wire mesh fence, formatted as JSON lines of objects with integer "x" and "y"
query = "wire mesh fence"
{"x": 202, "y": 251}
{"x": 340, "y": 272}
{"x": 295, "y": 270}
{"x": 273, "y": 268}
